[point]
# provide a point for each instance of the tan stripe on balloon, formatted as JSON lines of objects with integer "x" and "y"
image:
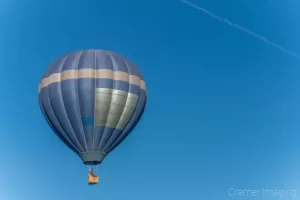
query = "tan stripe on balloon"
{"x": 53, "y": 78}
{"x": 104, "y": 73}
{"x": 143, "y": 85}
{"x": 68, "y": 75}
{"x": 85, "y": 73}
{"x": 44, "y": 83}
{"x": 135, "y": 80}
{"x": 122, "y": 76}
{"x": 92, "y": 73}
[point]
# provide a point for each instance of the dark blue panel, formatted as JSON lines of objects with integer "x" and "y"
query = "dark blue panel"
{"x": 94, "y": 59}
{"x": 55, "y": 121}
{"x": 58, "y": 106}
{"x": 124, "y": 65}
{"x": 57, "y": 65}
{"x": 104, "y": 83}
{"x": 118, "y": 63}
{"x": 87, "y": 59}
{"x": 88, "y": 130}
{"x": 72, "y": 61}
{"x": 71, "y": 103}
{"x": 134, "y": 89}
{"x": 114, "y": 136}
{"x": 55, "y": 126}
{"x": 133, "y": 69}
{"x": 86, "y": 94}
{"x": 98, "y": 132}
{"x": 103, "y": 60}
{"x": 107, "y": 132}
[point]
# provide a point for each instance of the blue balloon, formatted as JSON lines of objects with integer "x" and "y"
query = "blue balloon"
{"x": 92, "y": 100}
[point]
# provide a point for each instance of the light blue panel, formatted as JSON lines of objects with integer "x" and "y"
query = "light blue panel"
{"x": 88, "y": 121}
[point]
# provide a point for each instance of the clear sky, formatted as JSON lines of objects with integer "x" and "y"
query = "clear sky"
{"x": 223, "y": 107}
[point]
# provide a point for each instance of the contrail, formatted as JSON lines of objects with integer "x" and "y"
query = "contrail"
{"x": 291, "y": 53}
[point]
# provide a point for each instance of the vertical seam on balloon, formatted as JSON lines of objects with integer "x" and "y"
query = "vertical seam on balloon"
{"x": 113, "y": 79}
{"x": 66, "y": 137}
{"x": 62, "y": 96}
{"x": 112, "y": 146}
{"x": 95, "y": 85}
{"x": 71, "y": 141}
{"x": 100, "y": 132}
{"x": 78, "y": 103}
{"x": 123, "y": 107}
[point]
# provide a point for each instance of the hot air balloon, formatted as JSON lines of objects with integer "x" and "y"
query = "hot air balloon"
{"x": 92, "y": 100}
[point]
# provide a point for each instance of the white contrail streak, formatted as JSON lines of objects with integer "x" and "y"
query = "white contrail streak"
{"x": 241, "y": 29}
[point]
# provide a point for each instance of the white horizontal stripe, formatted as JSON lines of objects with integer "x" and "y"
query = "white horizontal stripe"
{"x": 92, "y": 73}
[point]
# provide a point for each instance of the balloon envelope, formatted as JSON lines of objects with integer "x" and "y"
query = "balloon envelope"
{"x": 92, "y": 100}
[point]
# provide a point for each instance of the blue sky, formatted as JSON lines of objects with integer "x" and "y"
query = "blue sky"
{"x": 223, "y": 107}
